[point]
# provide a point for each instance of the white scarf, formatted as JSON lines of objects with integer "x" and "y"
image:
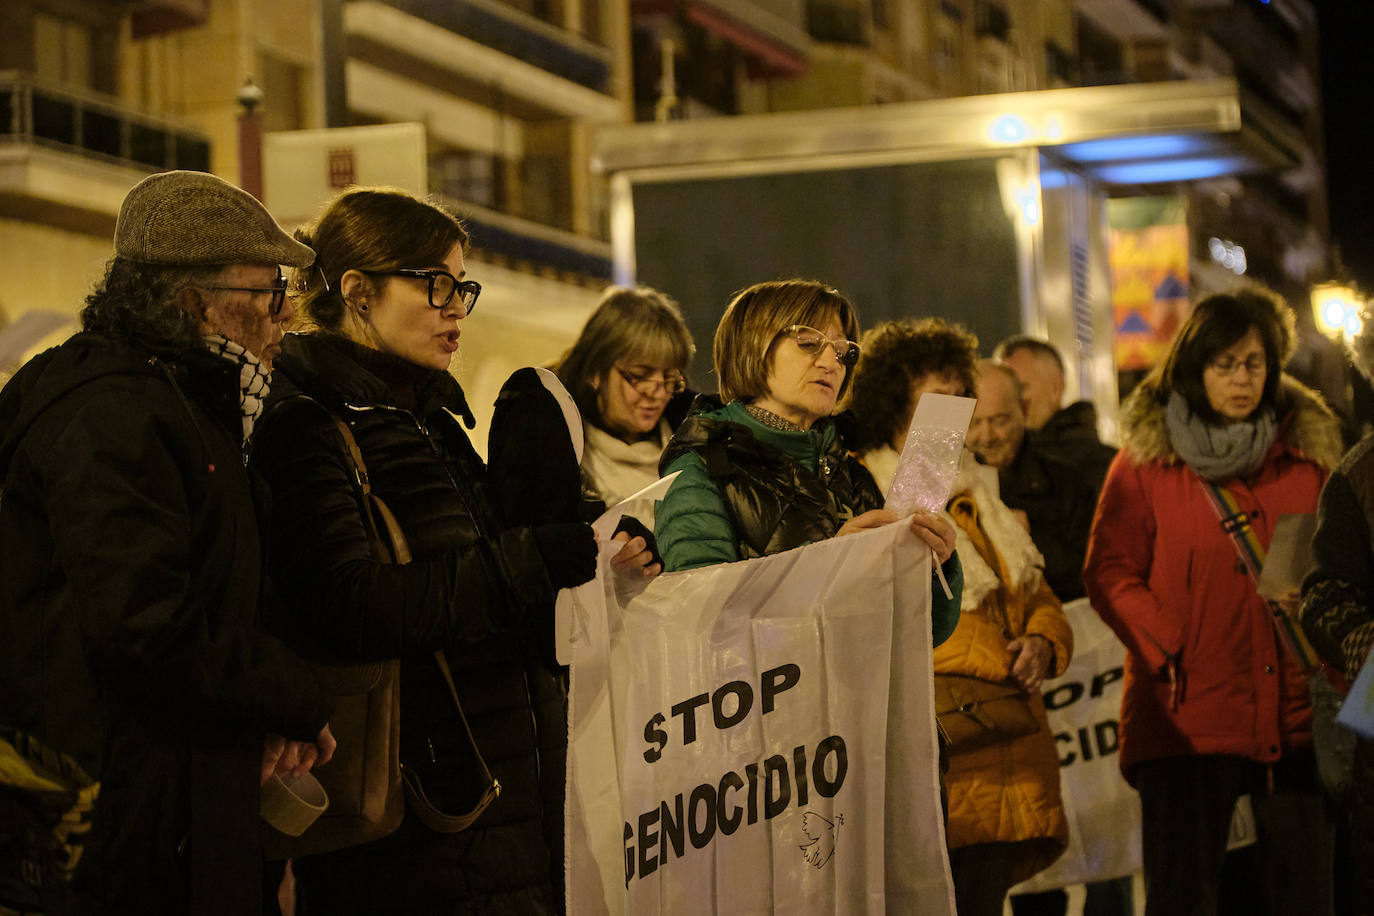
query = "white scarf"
{"x": 1004, "y": 532}
{"x": 255, "y": 379}
{"x": 618, "y": 469}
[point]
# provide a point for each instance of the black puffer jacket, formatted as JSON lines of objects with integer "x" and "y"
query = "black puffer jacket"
{"x": 478, "y": 593}
{"x": 775, "y": 501}
{"x": 130, "y": 569}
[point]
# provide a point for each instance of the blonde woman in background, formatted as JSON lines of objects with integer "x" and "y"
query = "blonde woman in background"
{"x": 626, "y": 373}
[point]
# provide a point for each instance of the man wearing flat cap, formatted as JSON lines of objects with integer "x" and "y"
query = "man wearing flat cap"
{"x": 131, "y": 572}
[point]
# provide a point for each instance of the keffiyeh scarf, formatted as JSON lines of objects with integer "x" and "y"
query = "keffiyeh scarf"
{"x": 255, "y": 379}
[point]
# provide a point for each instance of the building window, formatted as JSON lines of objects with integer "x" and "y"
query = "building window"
{"x": 835, "y": 22}
{"x": 1100, "y": 56}
{"x": 63, "y": 51}
{"x": 283, "y": 85}
{"x": 1060, "y": 64}
{"x": 467, "y": 176}
{"x": 992, "y": 20}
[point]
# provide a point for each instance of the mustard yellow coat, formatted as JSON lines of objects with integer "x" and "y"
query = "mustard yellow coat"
{"x": 1006, "y": 793}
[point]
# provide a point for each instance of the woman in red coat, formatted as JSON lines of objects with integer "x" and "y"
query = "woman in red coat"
{"x": 1214, "y": 708}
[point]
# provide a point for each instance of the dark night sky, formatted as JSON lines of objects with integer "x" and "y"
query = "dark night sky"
{"x": 1347, "y": 74}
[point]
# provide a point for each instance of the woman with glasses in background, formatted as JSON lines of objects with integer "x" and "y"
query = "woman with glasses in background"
{"x": 381, "y": 324}
{"x": 1214, "y": 707}
{"x": 765, "y": 468}
{"x": 626, "y": 375}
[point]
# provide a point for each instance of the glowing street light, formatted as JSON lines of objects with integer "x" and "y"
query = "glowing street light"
{"x": 1338, "y": 310}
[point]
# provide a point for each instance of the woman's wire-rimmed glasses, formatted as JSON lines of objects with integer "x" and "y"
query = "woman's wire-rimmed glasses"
{"x": 811, "y": 341}
{"x": 443, "y": 286}
{"x": 1227, "y": 367}
{"x": 648, "y": 386}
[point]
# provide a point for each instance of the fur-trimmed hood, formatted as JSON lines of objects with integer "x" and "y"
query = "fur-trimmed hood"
{"x": 1306, "y": 425}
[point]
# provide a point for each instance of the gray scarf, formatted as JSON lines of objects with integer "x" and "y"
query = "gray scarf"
{"x": 254, "y": 378}
{"x": 1219, "y": 453}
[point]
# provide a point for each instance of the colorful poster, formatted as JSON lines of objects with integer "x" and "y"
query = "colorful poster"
{"x": 1148, "y": 254}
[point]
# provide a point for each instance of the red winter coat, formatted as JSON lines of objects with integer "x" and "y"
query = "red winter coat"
{"x": 1164, "y": 576}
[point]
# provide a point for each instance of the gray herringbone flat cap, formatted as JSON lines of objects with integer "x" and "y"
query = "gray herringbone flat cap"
{"x": 193, "y": 219}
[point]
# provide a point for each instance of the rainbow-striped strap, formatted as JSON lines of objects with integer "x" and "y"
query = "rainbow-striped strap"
{"x": 1236, "y": 523}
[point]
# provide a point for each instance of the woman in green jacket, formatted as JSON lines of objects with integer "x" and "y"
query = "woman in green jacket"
{"x": 765, "y": 468}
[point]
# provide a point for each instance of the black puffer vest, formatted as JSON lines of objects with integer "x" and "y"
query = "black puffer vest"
{"x": 775, "y": 502}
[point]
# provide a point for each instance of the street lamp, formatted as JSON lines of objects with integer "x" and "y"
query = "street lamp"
{"x": 250, "y": 137}
{"x": 1338, "y": 309}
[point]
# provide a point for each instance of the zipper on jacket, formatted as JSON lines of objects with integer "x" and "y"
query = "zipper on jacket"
{"x": 482, "y": 534}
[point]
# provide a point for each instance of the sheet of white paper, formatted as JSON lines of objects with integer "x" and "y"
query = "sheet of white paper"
{"x": 1289, "y": 556}
{"x": 605, "y": 525}
{"x": 1357, "y": 709}
{"x": 605, "y": 529}
{"x": 930, "y": 455}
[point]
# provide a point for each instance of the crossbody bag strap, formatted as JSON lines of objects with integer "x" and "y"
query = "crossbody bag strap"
{"x": 431, "y": 816}
{"x": 399, "y": 552}
{"x": 355, "y": 458}
{"x": 1236, "y": 523}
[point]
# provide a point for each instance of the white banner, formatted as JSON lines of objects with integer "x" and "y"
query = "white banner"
{"x": 758, "y": 737}
{"x": 1084, "y": 707}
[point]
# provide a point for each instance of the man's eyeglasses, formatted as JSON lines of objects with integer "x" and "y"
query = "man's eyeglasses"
{"x": 277, "y": 289}
{"x": 443, "y": 286}
{"x": 811, "y": 342}
{"x": 1227, "y": 367}
{"x": 648, "y": 386}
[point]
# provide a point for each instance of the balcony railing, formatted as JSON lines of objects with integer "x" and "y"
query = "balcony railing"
{"x": 95, "y": 126}
{"x": 517, "y": 35}
{"x": 541, "y": 247}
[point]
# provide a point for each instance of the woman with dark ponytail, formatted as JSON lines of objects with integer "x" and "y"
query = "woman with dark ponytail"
{"x": 382, "y": 308}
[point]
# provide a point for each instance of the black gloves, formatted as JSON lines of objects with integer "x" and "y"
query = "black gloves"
{"x": 568, "y": 552}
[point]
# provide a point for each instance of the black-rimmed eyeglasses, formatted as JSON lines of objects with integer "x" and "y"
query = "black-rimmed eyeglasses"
{"x": 443, "y": 286}
{"x": 277, "y": 289}
{"x": 811, "y": 342}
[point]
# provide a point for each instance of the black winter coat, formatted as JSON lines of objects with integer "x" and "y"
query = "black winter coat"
{"x": 1058, "y": 498}
{"x": 1071, "y": 435}
{"x": 478, "y": 593}
{"x": 130, "y": 570}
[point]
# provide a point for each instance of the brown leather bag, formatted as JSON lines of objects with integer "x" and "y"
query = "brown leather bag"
{"x": 369, "y": 789}
{"x": 973, "y": 713}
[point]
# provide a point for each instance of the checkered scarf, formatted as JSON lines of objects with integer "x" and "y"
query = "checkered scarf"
{"x": 255, "y": 379}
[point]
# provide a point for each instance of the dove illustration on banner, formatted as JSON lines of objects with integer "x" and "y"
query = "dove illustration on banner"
{"x": 821, "y": 833}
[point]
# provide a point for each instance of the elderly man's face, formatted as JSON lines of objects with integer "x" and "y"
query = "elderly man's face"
{"x": 244, "y": 315}
{"x": 1042, "y": 385}
{"x": 998, "y": 424}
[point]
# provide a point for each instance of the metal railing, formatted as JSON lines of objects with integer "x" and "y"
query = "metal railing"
{"x": 96, "y": 126}
{"x": 518, "y": 35}
{"x": 540, "y": 246}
